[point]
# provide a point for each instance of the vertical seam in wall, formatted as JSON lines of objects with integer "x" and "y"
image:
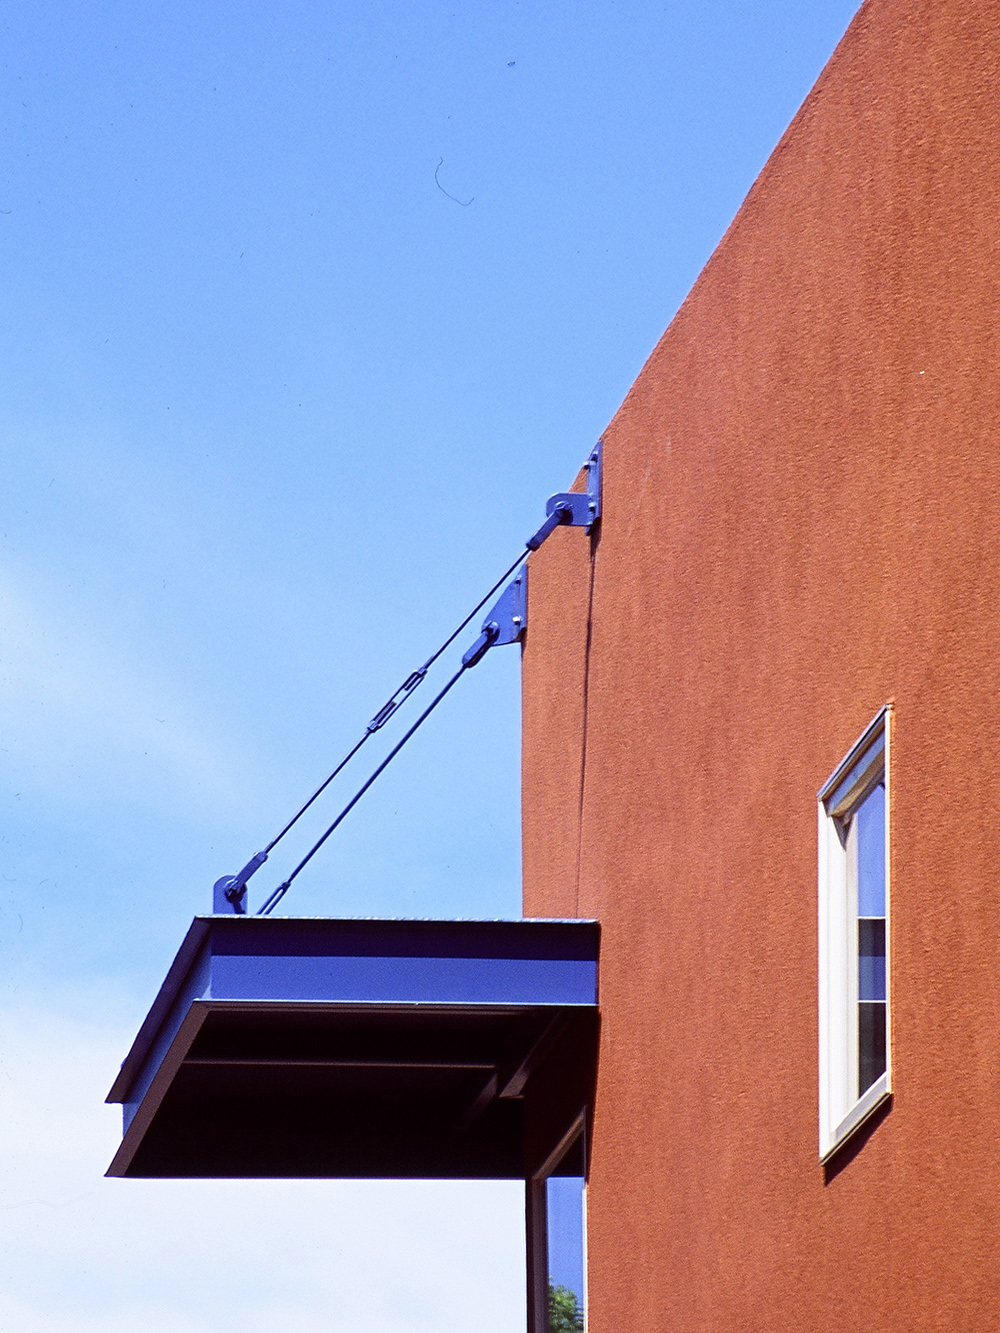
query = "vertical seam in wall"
{"x": 583, "y": 729}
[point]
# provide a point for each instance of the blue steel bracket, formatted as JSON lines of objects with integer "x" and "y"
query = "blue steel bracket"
{"x": 510, "y": 611}
{"x": 505, "y": 621}
{"x": 583, "y": 507}
{"x": 229, "y": 894}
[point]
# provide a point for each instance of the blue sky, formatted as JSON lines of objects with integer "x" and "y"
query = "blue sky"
{"x": 306, "y": 309}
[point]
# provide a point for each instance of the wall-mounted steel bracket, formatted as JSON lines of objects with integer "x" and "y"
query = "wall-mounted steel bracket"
{"x": 510, "y": 611}
{"x": 584, "y": 506}
{"x": 505, "y": 621}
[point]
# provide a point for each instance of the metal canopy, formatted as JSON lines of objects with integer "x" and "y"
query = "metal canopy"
{"x": 299, "y": 1046}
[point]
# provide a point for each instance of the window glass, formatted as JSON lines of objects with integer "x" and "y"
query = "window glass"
{"x": 564, "y": 1236}
{"x": 866, "y": 843}
{"x": 870, "y": 819}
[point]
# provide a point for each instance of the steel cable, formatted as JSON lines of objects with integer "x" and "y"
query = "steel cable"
{"x": 234, "y": 886}
{"x": 395, "y": 701}
{"x": 276, "y": 896}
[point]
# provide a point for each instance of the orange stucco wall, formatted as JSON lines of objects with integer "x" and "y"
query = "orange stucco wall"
{"x": 801, "y": 523}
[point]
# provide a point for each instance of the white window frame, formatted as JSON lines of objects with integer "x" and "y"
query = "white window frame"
{"x": 841, "y": 1111}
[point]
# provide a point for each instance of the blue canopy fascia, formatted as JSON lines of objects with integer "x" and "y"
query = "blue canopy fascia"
{"x": 319, "y": 1046}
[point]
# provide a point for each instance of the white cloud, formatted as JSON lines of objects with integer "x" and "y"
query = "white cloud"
{"x": 81, "y": 1253}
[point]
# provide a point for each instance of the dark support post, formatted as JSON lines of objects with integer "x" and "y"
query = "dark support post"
{"x": 536, "y": 1239}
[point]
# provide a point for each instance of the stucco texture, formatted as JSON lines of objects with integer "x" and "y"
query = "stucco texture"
{"x": 801, "y": 524}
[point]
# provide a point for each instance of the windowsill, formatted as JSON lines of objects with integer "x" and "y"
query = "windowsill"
{"x": 878, "y": 1093}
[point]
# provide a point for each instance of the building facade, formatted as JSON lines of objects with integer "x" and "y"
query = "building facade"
{"x": 785, "y": 630}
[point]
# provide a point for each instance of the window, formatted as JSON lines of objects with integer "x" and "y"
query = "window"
{"x": 853, "y": 936}
{"x": 556, "y": 1240}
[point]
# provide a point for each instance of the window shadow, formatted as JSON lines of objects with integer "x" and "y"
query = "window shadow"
{"x": 846, "y": 1154}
